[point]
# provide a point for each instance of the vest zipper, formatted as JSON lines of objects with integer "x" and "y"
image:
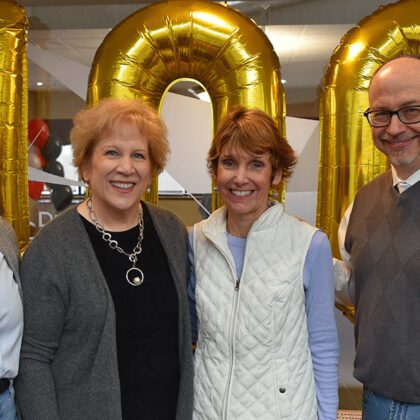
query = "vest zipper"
{"x": 232, "y": 348}
{"x": 232, "y": 327}
{"x": 232, "y": 322}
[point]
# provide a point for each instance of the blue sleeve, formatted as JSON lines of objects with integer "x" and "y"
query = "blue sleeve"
{"x": 191, "y": 290}
{"x": 322, "y": 330}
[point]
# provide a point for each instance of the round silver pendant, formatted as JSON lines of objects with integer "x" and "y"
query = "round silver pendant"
{"x": 134, "y": 276}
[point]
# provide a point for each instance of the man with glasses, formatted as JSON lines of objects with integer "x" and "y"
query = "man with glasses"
{"x": 11, "y": 319}
{"x": 379, "y": 239}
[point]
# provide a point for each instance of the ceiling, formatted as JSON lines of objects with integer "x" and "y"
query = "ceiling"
{"x": 304, "y": 34}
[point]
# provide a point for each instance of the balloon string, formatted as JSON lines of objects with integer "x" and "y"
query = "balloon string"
{"x": 37, "y": 135}
{"x": 198, "y": 202}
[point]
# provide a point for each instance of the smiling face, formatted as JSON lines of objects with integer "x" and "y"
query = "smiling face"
{"x": 118, "y": 173}
{"x": 396, "y": 85}
{"x": 244, "y": 180}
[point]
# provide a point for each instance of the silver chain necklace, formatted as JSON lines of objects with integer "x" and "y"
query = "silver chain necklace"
{"x": 134, "y": 275}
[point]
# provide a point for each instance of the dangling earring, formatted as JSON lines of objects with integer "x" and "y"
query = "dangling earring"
{"x": 216, "y": 189}
{"x": 88, "y": 191}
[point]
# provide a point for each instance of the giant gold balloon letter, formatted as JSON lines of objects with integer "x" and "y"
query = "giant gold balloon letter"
{"x": 181, "y": 39}
{"x": 348, "y": 158}
{"x": 13, "y": 118}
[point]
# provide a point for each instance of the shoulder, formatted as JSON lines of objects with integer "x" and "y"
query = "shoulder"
{"x": 5, "y": 227}
{"x": 8, "y": 245}
{"x": 7, "y": 234}
{"x": 215, "y": 222}
{"x": 161, "y": 213}
{"x": 385, "y": 179}
{"x": 172, "y": 233}
{"x": 299, "y": 224}
{"x": 63, "y": 224}
{"x": 165, "y": 221}
{"x": 65, "y": 228}
{"x": 196, "y": 233}
{"x": 319, "y": 246}
{"x": 369, "y": 195}
{"x": 320, "y": 239}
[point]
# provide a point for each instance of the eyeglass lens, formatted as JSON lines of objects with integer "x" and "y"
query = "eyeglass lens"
{"x": 407, "y": 115}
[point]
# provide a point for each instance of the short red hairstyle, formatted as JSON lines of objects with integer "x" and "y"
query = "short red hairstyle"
{"x": 255, "y": 132}
{"x": 90, "y": 124}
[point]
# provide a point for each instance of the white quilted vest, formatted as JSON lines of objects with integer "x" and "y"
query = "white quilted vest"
{"x": 252, "y": 359}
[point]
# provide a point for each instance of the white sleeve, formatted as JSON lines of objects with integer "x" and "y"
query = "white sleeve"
{"x": 343, "y": 282}
{"x": 11, "y": 321}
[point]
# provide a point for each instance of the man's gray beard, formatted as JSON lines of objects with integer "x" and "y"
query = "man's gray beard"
{"x": 397, "y": 161}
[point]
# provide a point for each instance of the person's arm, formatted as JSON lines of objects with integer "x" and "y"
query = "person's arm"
{"x": 323, "y": 339}
{"x": 343, "y": 282}
{"x": 44, "y": 315}
{"x": 11, "y": 321}
{"x": 191, "y": 290}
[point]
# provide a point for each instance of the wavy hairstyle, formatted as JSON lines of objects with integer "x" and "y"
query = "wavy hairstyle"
{"x": 255, "y": 132}
{"x": 89, "y": 125}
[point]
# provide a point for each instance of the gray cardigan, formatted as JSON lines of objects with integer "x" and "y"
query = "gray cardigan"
{"x": 68, "y": 367}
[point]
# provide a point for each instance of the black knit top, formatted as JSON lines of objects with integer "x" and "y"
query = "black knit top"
{"x": 146, "y": 323}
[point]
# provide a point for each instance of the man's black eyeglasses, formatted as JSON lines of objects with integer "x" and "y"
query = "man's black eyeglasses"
{"x": 382, "y": 117}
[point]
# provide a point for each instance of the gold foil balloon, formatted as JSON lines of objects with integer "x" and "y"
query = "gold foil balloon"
{"x": 13, "y": 118}
{"x": 348, "y": 158}
{"x": 212, "y": 44}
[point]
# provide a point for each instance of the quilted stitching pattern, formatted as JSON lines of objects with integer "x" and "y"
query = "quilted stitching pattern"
{"x": 267, "y": 350}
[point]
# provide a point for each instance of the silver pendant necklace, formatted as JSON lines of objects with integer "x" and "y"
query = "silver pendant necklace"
{"x": 133, "y": 275}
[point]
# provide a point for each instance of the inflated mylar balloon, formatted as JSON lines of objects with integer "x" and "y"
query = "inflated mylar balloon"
{"x": 212, "y": 44}
{"x": 35, "y": 161}
{"x": 13, "y": 118}
{"x": 348, "y": 158}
